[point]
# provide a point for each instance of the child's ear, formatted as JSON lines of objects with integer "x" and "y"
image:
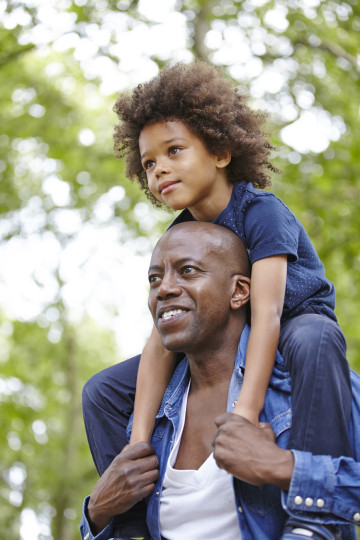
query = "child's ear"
{"x": 223, "y": 159}
{"x": 241, "y": 292}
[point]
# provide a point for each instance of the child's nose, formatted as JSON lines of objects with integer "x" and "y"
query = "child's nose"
{"x": 161, "y": 168}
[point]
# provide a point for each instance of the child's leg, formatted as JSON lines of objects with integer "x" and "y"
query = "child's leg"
{"x": 108, "y": 402}
{"x": 315, "y": 351}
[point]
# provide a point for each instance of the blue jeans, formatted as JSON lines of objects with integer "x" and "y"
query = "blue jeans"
{"x": 108, "y": 402}
{"x": 314, "y": 349}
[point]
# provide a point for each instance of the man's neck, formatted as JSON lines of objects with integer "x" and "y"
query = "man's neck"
{"x": 212, "y": 371}
{"x": 211, "y": 365}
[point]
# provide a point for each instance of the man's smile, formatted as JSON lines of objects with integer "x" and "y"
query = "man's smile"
{"x": 171, "y": 314}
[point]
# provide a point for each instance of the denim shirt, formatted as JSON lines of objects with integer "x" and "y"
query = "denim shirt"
{"x": 322, "y": 489}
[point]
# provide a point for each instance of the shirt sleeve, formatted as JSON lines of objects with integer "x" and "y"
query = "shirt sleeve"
{"x": 270, "y": 229}
{"x": 181, "y": 218}
{"x": 85, "y": 529}
{"x": 324, "y": 489}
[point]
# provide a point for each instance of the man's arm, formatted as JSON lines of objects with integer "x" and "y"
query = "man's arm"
{"x": 130, "y": 477}
{"x": 326, "y": 489}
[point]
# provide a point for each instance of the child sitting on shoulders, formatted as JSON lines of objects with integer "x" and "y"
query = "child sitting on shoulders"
{"x": 193, "y": 144}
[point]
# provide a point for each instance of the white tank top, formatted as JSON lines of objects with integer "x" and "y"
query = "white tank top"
{"x": 197, "y": 504}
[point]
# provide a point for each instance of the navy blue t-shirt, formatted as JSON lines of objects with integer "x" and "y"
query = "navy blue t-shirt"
{"x": 267, "y": 227}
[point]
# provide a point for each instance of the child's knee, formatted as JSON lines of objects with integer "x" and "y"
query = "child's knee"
{"x": 112, "y": 388}
{"x": 313, "y": 340}
{"x": 313, "y": 330}
{"x": 92, "y": 390}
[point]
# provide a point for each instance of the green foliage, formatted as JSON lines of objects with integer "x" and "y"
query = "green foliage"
{"x": 51, "y": 93}
{"x": 41, "y": 416}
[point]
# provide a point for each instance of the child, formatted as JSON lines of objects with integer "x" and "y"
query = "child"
{"x": 193, "y": 144}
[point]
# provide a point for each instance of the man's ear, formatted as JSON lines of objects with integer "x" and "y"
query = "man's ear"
{"x": 223, "y": 159}
{"x": 241, "y": 291}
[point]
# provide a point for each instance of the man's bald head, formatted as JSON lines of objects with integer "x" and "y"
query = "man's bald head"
{"x": 222, "y": 241}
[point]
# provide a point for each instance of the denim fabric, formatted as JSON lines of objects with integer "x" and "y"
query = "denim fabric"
{"x": 259, "y": 510}
{"x": 115, "y": 530}
{"x": 108, "y": 402}
{"x": 262, "y": 511}
{"x": 314, "y": 349}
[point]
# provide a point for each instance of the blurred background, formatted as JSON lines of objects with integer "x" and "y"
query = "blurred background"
{"x": 75, "y": 234}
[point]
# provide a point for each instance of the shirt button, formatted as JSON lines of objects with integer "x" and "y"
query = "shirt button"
{"x": 157, "y": 493}
{"x": 309, "y": 501}
{"x": 87, "y": 536}
{"x": 356, "y": 516}
{"x": 320, "y": 503}
{"x": 298, "y": 500}
{"x": 240, "y": 509}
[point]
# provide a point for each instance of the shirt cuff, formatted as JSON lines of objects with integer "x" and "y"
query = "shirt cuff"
{"x": 312, "y": 492}
{"x": 85, "y": 529}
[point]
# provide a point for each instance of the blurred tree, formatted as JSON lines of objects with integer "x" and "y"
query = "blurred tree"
{"x": 45, "y": 462}
{"x": 62, "y": 64}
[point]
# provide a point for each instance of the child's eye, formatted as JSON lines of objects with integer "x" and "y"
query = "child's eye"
{"x": 174, "y": 150}
{"x": 148, "y": 164}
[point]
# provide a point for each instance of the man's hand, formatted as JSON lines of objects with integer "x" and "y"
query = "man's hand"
{"x": 250, "y": 453}
{"x": 129, "y": 478}
{"x": 246, "y": 412}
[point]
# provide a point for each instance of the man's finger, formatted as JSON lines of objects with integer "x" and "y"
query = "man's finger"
{"x": 222, "y": 419}
{"x": 148, "y": 463}
{"x": 149, "y": 477}
{"x": 268, "y": 430}
{"x": 146, "y": 491}
{"x": 138, "y": 450}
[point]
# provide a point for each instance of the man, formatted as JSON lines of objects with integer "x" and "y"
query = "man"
{"x": 211, "y": 474}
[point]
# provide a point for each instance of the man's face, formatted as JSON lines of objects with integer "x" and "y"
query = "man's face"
{"x": 189, "y": 290}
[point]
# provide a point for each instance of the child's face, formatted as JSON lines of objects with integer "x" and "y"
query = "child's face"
{"x": 181, "y": 172}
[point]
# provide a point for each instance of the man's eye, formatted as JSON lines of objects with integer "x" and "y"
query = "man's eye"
{"x": 174, "y": 150}
{"x": 188, "y": 270}
{"x": 154, "y": 279}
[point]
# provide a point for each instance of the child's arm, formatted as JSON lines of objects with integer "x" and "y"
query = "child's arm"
{"x": 155, "y": 369}
{"x": 268, "y": 283}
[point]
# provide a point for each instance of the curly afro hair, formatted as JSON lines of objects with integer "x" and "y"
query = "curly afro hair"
{"x": 210, "y": 106}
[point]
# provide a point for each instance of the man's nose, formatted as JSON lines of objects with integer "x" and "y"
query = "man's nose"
{"x": 169, "y": 286}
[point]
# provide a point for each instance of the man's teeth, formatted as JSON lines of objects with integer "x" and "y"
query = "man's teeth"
{"x": 171, "y": 313}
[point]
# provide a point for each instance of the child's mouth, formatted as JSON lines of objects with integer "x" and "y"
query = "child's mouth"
{"x": 167, "y": 187}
